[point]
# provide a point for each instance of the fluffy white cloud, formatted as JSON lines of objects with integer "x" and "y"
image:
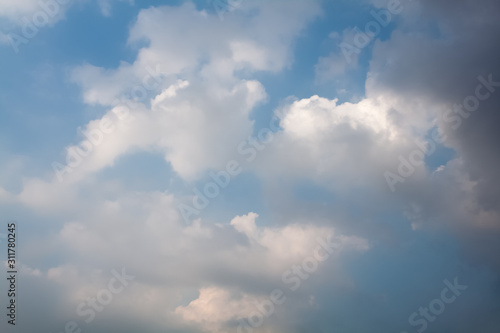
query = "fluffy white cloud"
{"x": 338, "y": 145}
{"x": 182, "y": 99}
{"x": 197, "y": 126}
{"x": 206, "y": 309}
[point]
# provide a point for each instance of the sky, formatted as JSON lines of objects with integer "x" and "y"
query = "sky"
{"x": 250, "y": 166}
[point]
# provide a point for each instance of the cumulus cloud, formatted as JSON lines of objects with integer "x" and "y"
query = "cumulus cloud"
{"x": 189, "y": 96}
{"x": 193, "y": 126}
{"x": 206, "y": 309}
{"x": 338, "y": 145}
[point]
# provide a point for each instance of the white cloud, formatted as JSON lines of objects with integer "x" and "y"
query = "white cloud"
{"x": 13, "y": 8}
{"x": 338, "y": 145}
{"x": 191, "y": 112}
{"x": 198, "y": 126}
{"x": 25, "y": 18}
{"x": 216, "y": 306}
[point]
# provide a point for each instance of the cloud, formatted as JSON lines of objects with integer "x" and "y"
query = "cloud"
{"x": 193, "y": 126}
{"x": 241, "y": 261}
{"x": 189, "y": 96}
{"x": 337, "y": 145}
{"x": 206, "y": 309}
{"x": 442, "y": 69}
{"x": 13, "y": 9}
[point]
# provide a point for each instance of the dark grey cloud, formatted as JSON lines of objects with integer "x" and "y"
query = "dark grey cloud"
{"x": 436, "y": 55}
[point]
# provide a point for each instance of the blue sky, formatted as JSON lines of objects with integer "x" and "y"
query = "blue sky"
{"x": 211, "y": 148}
